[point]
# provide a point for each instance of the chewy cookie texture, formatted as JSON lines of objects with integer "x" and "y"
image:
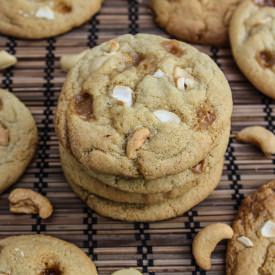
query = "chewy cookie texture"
{"x": 141, "y": 120}
{"x": 41, "y": 19}
{"x": 150, "y": 82}
{"x": 252, "y": 249}
{"x": 196, "y": 21}
{"x": 18, "y": 138}
{"x": 43, "y": 255}
{"x": 252, "y": 40}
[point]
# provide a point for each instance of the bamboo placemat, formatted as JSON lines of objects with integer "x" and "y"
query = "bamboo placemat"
{"x": 154, "y": 248}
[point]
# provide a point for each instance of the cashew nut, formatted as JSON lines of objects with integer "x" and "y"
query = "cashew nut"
{"x": 206, "y": 241}
{"x": 259, "y": 136}
{"x": 6, "y": 60}
{"x": 70, "y": 60}
{"x": 128, "y": 271}
{"x": 136, "y": 141}
{"x": 29, "y": 202}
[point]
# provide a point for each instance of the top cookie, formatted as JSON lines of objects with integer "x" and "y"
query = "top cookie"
{"x": 143, "y": 106}
{"x": 18, "y": 138}
{"x": 252, "y": 32}
{"x": 40, "y": 19}
{"x": 196, "y": 21}
{"x": 43, "y": 255}
{"x": 252, "y": 248}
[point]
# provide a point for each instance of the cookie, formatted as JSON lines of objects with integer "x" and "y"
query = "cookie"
{"x": 135, "y": 98}
{"x": 18, "y": 138}
{"x": 201, "y": 22}
{"x": 41, "y": 19}
{"x": 149, "y": 213}
{"x": 252, "y": 249}
{"x": 252, "y": 31}
{"x": 123, "y": 189}
{"x": 45, "y": 255}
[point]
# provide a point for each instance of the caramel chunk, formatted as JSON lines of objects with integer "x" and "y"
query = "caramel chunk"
{"x": 266, "y": 59}
{"x": 199, "y": 168}
{"x": 173, "y": 47}
{"x": 84, "y": 105}
{"x": 62, "y": 7}
{"x": 148, "y": 65}
{"x": 52, "y": 270}
{"x": 206, "y": 116}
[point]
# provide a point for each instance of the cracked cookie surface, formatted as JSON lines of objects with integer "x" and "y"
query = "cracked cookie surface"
{"x": 252, "y": 248}
{"x": 252, "y": 34}
{"x": 43, "y": 255}
{"x": 196, "y": 21}
{"x": 40, "y": 19}
{"x": 18, "y": 138}
{"x": 168, "y": 209}
{"x": 143, "y": 81}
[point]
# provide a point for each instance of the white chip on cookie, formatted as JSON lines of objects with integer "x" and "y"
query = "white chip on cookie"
{"x": 159, "y": 74}
{"x": 268, "y": 229}
{"x": 245, "y": 241}
{"x": 166, "y": 116}
{"x": 183, "y": 79}
{"x": 123, "y": 94}
{"x": 181, "y": 83}
{"x": 45, "y": 13}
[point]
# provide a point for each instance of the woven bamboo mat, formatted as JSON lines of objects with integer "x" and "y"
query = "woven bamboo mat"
{"x": 157, "y": 248}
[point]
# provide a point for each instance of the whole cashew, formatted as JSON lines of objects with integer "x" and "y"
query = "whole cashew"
{"x": 29, "y": 202}
{"x": 206, "y": 241}
{"x": 70, "y": 60}
{"x": 128, "y": 271}
{"x": 6, "y": 60}
{"x": 259, "y": 136}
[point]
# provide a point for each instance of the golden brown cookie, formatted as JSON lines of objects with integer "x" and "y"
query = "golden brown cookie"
{"x": 252, "y": 249}
{"x": 41, "y": 19}
{"x": 140, "y": 190}
{"x": 148, "y": 213}
{"x": 43, "y": 255}
{"x": 252, "y": 32}
{"x": 196, "y": 21}
{"x": 143, "y": 106}
{"x": 18, "y": 138}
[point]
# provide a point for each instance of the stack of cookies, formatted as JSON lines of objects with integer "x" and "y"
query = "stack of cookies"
{"x": 143, "y": 124}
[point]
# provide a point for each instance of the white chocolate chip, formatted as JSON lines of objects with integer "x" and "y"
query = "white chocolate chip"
{"x": 21, "y": 252}
{"x": 124, "y": 94}
{"x": 181, "y": 83}
{"x": 183, "y": 79}
{"x": 159, "y": 74}
{"x": 245, "y": 241}
{"x": 268, "y": 229}
{"x": 166, "y": 116}
{"x": 45, "y": 13}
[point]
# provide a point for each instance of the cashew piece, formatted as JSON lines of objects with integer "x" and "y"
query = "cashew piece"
{"x": 68, "y": 61}
{"x": 128, "y": 271}
{"x": 6, "y": 60}
{"x": 206, "y": 241}
{"x": 136, "y": 141}
{"x": 259, "y": 136}
{"x": 29, "y": 202}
